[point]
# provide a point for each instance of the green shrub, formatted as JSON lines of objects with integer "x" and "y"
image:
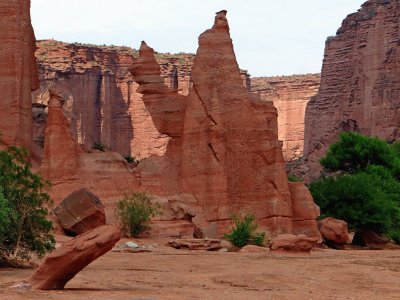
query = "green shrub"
{"x": 245, "y": 232}
{"x": 131, "y": 159}
{"x": 135, "y": 212}
{"x": 24, "y": 205}
{"x": 294, "y": 178}
{"x": 99, "y": 146}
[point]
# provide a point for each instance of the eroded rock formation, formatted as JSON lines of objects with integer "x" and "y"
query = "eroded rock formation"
{"x": 224, "y": 147}
{"x": 290, "y": 95}
{"x": 360, "y": 82}
{"x": 70, "y": 168}
{"x": 18, "y": 72}
{"x": 63, "y": 264}
{"x": 102, "y": 102}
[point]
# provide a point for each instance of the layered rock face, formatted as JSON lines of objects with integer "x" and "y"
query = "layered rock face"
{"x": 224, "y": 147}
{"x": 18, "y": 72}
{"x": 290, "y": 95}
{"x": 70, "y": 168}
{"x": 102, "y": 102}
{"x": 360, "y": 82}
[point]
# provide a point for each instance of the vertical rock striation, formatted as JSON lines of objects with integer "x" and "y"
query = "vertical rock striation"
{"x": 18, "y": 72}
{"x": 290, "y": 95}
{"x": 224, "y": 147}
{"x": 360, "y": 82}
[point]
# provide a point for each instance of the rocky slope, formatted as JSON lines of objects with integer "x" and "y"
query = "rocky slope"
{"x": 290, "y": 95}
{"x": 224, "y": 147}
{"x": 360, "y": 82}
{"x": 18, "y": 72}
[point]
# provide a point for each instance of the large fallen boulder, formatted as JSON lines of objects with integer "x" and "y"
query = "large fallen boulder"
{"x": 81, "y": 211}
{"x": 335, "y": 232}
{"x": 293, "y": 243}
{"x": 65, "y": 262}
{"x": 196, "y": 244}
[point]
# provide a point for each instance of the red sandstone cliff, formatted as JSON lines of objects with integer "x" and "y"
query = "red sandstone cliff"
{"x": 224, "y": 148}
{"x": 360, "y": 82}
{"x": 18, "y": 72}
{"x": 103, "y": 105}
{"x": 290, "y": 95}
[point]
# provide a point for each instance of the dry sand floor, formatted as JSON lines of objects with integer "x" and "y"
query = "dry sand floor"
{"x": 168, "y": 273}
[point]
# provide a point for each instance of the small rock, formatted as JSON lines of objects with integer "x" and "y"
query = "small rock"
{"x": 21, "y": 286}
{"x": 196, "y": 244}
{"x": 252, "y": 249}
{"x": 293, "y": 243}
{"x": 131, "y": 245}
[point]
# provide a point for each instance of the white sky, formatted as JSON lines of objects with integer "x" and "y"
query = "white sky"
{"x": 271, "y": 37}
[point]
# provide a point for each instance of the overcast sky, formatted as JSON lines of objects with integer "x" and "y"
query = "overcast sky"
{"x": 271, "y": 37}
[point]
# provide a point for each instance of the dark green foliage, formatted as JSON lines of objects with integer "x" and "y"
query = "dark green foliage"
{"x": 245, "y": 232}
{"x": 364, "y": 201}
{"x": 135, "y": 212}
{"x": 131, "y": 160}
{"x": 23, "y": 208}
{"x": 99, "y": 146}
{"x": 365, "y": 192}
{"x": 355, "y": 152}
{"x": 294, "y": 178}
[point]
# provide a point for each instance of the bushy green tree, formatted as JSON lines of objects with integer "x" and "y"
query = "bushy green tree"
{"x": 135, "y": 212}
{"x": 244, "y": 232}
{"x": 355, "y": 152}
{"x": 364, "y": 190}
{"x": 365, "y": 201}
{"x": 24, "y": 207}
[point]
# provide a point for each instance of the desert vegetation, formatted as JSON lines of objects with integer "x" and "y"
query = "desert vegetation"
{"x": 361, "y": 184}
{"x": 24, "y": 207}
{"x": 244, "y": 232}
{"x": 135, "y": 212}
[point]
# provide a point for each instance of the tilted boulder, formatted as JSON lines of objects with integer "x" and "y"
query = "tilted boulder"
{"x": 63, "y": 264}
{"x": 80, "y": 212}
{"x": 293, "y": 243}
{"x": 335, "y": 232}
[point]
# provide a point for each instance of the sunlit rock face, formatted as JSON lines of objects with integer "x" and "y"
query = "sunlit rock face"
{"x": 18, "y": 72}
{"x": 224, "y": 147}
{"x": 290, "y": 95}
{"x": 360, "y": 82}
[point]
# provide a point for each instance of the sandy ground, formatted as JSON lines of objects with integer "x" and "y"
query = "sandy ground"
{"x": 168, "y": 273}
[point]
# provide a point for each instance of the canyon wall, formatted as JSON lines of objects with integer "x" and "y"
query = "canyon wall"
{"x": 360, "y": 82}
{"x": 290, "y": 95}
{"x": 18, "y": 72}
{"x": 96, "y": 84}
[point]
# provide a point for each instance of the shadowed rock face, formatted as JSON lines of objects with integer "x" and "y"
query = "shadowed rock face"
{"x": 360, "y": 82}
{"x": 18, "y": 72}
{"x": 224, "y": 147}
